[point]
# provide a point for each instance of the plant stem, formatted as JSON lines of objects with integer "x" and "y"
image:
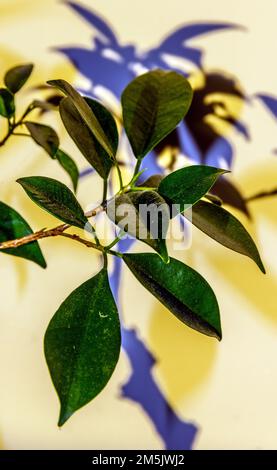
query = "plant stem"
{"x": 119, "y": 175}
{"x": 137, "y": 167}
{"x": 85, "y": 242}
{"x": 136, "y": 177}
{"x": 115, "y": 253}
{"x": 43, "y": 233}
{"x": 59, "y": 230}
{"x": 7, "y": 136}
{"x": 55, "y": 232}
{"x": 105, "y": 191}
{"x": 26, "y": 112}
{"x": 105, "y": 257}
{"x": 14, "y": 125}
{"x": 96, "y": 210}
{"x": 95, "y": 236}
{"x": 142, "y": 188}
{"x": 116, "y": 240}
{"x": 89, "y": 244}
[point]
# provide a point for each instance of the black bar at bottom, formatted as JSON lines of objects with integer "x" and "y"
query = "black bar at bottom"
{"x": 130, "y": 458}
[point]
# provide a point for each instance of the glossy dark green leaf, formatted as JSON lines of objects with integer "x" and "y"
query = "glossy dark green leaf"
{"x": 84, "y": 138}
{"x": 153, "y": 104}
{"x": 223, "y": 227}
{"x": 86, "y": 113}
{"x": 13, "y": 226}
{"x": 55, "y": 198}
{"x": 69, "y": 166}
{"x": 181, "y": 289}
{"x": 186, "y": 186}
{"x": 7, "y": 107}
{"x": 16, "y": 77}
{"x": 82, "y": 344}
{"x": 144, "y": 215}
{"x": 44, "y": 136}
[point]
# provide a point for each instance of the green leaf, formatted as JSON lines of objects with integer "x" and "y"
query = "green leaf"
{"x": 16, "y": 77}
{"x": 69, "y": 166}
{"x": 13, "y": 226}
{"x": 54, "y": 197}
{"x": 144, "y": 215}
{"x": 84, "y": 138}
{"x": 44, "y": 136}
{"x": 153, "y": 104}
{"x": 7, "y": 107}
{"x": 181, "y": 289}
{"x": 186, "y": 186}
{"x": 86, "y": 113}
{"x": 82, "y": 344}
{"x": 223, "y": 227}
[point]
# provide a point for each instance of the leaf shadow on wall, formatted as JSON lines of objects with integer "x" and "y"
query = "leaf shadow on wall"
{"x": 259, "y": 290}
{"x": 184, "y": 357}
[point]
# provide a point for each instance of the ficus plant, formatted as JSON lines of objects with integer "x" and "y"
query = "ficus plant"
{"x": 82, "y": 341}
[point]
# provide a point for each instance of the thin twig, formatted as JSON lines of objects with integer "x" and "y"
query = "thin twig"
{"x": 87, "y": 243}
{"x": 137, "y": 167}
{"x": 43, "y": 233}
{"x": 14, "y": 125}
{"x": 96, "y": 210}
{"x": 59, "y": 230}
{"x": 143, "y": 188}
{"x": 55, "y": 232}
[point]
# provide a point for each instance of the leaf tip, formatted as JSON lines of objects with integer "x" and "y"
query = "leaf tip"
{"x": 43, "y": 264}
{"x": 261, "y": 266}
{"x": 214, "y": 332}
{"x": 65, "y": 414}
{"x": 22, "y": 182}
{"x": 219, "y": 336}
{"x": 222, "y": 171}
{"x": 30, "y": 66}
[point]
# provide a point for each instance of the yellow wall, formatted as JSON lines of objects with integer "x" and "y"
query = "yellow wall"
{"x": 228, "y": 389}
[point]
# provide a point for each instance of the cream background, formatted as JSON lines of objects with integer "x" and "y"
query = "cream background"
{"x": 228, "y": 389}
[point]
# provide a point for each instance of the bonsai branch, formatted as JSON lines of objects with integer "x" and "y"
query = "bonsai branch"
{"x": 60, "y": 231}
{"x": 43, "y": 233}
{"x": 14, "y": 125}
